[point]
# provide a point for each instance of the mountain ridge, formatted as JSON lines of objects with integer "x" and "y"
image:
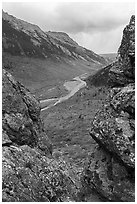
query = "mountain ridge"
{"x": 26, "y": 39}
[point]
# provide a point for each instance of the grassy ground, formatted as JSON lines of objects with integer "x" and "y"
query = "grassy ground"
{"x": 41, "y": 75}
{"x": 56, "y": 92}
{"x": 68, "y": 125}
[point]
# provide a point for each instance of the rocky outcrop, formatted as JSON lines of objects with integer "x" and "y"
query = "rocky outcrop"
{"x": 113, "y": 127}
{"x": 107, "y": 177}
{"x": 21, "y": 116}
{"x": 124, "y": 70}
{"x": 30, "y": 177}
{"x": 112, "y": 164}
{"x": 29, "y": 171}
{"x": 111, "y": 167}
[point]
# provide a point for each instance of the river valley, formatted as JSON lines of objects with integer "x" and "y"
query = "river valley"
{"x": 68, "y": 123}
{"x": 72, "y": 87}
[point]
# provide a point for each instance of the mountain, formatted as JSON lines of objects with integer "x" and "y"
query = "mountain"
{"x": 43, "y": 60}
{"x": 88, "y": 146}
{"x": 26, "y": 39}
{"x": 109, "y": 56}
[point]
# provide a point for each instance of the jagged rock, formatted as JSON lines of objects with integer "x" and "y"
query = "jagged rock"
{"x": 123, "y": 72}
{"x": 21, "y": 115}
{"x": 30, "y": 177}
{"x": 112, "y": 165}
{"x": 108, "y": 178}
{"x": 124, "y": 99}
{"x": 112, "y": 128}
{"x": 29, "y": 173}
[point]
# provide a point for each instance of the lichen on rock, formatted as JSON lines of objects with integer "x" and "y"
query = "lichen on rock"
{"x": 29, "y": 173}
{"x": 108, "y": 178}
{"x": 112, "y": 165}
{"x": 123, "y": 72}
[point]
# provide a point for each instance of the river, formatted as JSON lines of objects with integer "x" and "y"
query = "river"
{"x": 72, "y": 86}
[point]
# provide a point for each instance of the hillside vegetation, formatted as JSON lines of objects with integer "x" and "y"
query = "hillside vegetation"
{"x": 43, "y": 60}
{"x": 82, "y": 149}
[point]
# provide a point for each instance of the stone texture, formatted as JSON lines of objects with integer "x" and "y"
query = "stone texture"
{"x": 123, "y": 72}
{"x": 29, "y": 172}
{"x": 30, "y": 177}
{"x": 112, "y": 127}
{"x": 21, "y": 115}
{"x": 108, "y": 178}
{"x": 111, "y": 168}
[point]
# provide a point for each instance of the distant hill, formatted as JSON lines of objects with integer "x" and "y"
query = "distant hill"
{"x": 110, "y": 56}
{"x": 42, "y": 60}
{"x": 25, "y": 39}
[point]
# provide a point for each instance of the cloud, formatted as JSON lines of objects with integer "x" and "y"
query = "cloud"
{"x": 99, "y": 42}
{"x": 92, "y": 17}
{"x": 97, "y": 26}
{"x": 74, "y": 17}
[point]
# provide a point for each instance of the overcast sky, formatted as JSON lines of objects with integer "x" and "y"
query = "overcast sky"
{"x": 96, "y": 26}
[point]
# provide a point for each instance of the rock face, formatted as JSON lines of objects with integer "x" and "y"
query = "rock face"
{"x": 29, "y": 172}
{"x": 21, "y": 115}
{"x": 25, "y": 39}
{"x": 111, "y": 167}
{"x": 113, "y": 126}
{"x": 124, "y": 70}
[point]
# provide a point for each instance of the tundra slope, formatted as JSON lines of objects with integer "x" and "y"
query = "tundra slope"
{"x": 43, "y": 60}
{"x": 23, "y": 38}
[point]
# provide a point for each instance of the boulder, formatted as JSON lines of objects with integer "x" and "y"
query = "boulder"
{"x": 111, "y": 168}
{"x": 123, "y": 72}
{"x": 21, "y": 115}
{"x": 30, "y": 177}
{"x": 29, "y": 172}
{"x": 107, "y": 177}
{"x": 112, "y": 126}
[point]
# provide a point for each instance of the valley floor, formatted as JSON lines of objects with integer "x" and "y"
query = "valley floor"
{"x": 40, "y": 76}
{"x": 71, "y": 87}
{"x": 68, "y": 123}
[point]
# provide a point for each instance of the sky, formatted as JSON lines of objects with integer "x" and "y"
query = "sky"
{"x": 97, "y": 26}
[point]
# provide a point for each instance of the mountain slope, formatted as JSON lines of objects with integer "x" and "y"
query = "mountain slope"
{"x": 25, "y": 39}
{"x": 43, "y": 60}
{"x": 111, "y": 57}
